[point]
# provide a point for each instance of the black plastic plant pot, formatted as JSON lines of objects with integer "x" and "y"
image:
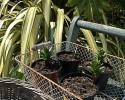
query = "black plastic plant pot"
{"x": 102, "y": 78}
{"x": 80, "y": 84}
{"x": 54, "y": 76}
{"x": 68, "y": 65}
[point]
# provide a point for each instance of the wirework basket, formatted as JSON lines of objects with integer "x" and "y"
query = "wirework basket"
{"x": 14, "y": 89}
{"x": 115, "y": 89}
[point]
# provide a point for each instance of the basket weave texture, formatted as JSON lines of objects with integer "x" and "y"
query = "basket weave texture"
{"x": 14, "y": 89}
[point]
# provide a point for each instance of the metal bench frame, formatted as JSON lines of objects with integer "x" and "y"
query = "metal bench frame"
{"x": 78, "y": 23}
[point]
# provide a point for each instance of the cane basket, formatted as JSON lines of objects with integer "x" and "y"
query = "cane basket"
{"x": 115, "y": 89}
{"x": 14, "y": 89}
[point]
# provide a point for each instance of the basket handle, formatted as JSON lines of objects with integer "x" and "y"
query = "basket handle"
{"x": 40, "y": 45}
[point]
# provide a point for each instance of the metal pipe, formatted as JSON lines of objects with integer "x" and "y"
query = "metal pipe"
{"x": 108, "y": 30}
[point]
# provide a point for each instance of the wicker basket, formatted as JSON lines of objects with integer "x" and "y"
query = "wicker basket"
{"x": 13, "y": 89}
{"x": 115, "y": 89}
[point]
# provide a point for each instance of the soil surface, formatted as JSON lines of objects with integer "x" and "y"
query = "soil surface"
{"x": 80, "y": 86}
{"x": 41, "y": 67}
{"x": 69, "y": 57}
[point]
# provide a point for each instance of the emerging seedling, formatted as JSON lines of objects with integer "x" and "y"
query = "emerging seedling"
{"x": 47, "y": 55}
{"x": 101, "y": 55}
{"x": 96, "y": 68}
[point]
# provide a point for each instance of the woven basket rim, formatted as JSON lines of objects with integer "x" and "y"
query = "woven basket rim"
{"x": 24, "y": 85}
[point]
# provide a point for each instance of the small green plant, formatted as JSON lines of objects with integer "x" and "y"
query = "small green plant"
{"x": 100, "y": 55}
{"x": 96, "y": 68}
{"x": 46, "y": 54}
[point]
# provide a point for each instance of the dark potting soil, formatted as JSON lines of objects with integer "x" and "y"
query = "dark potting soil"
{"x": 42, "y": 68}
{"x": 80, "y": 86}
{"x": 69, "y": 57}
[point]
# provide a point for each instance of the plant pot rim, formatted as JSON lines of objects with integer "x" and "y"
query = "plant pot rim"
{"x": 48, "y": 68}
{"x": 108, "y": 65}
{"x": 75, "y": 73}
{"x": 67, "y": 52}
{"x": 102, "y": 73}
{"x": 84, "y": 75}
{"x": 52, "y": 72}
